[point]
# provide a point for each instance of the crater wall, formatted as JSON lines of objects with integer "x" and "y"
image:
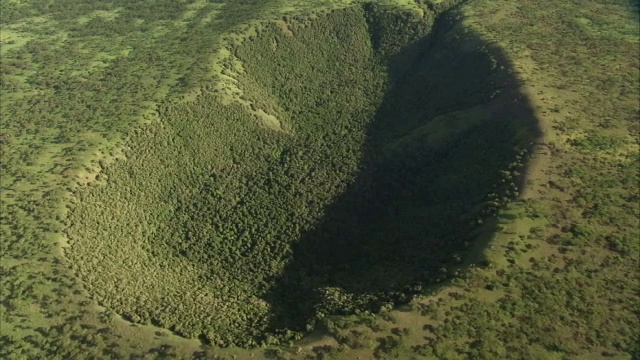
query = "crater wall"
{"x": 366, "y": 146}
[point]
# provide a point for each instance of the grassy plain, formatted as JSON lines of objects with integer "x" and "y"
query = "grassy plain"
{"x": 90, "y": 92}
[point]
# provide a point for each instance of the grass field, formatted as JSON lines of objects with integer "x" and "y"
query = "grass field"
{"x": 316, "y": 180}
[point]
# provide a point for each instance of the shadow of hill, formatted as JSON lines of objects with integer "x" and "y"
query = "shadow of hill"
{"x": 634, "y": 7}
{"x": 442, "y": 153}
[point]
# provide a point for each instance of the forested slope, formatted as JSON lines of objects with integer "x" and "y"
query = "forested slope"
{"x": 211, "y": 207}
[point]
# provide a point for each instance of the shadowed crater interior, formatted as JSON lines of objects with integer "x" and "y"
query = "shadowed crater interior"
{"x": 342, "y": 164}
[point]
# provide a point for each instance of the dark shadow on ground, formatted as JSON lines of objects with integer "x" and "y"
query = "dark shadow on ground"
{"x": 440, "y": 156}
{"x": 634, "y": 7}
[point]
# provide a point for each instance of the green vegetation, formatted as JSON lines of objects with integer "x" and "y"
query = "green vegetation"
{"x": 345, "y": 205}
{"x": 241, "y": 173}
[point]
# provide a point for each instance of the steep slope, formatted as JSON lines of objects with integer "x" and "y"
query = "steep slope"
{"x": 364, "y": 147}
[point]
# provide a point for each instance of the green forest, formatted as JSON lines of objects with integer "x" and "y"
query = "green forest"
{"x": 319, "y": 180}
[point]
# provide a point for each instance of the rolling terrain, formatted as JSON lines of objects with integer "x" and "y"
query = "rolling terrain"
{"x": 330, "y": 179}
